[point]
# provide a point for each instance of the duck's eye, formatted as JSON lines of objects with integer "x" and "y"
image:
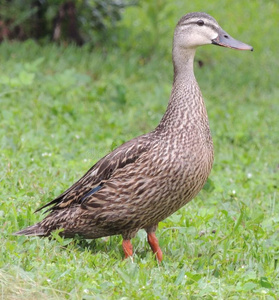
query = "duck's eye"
{"x": 200, "y": 22}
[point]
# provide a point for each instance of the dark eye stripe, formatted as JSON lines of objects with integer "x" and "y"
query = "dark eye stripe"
{"x": 210, "y": 25}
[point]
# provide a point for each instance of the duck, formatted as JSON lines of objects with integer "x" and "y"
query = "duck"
{"x": 148, "y": 178}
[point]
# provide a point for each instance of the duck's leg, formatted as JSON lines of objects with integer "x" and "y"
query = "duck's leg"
{"x": 153, "y": 242}
{"x": 126, "y": 244}
{"x": 127, "y": 248}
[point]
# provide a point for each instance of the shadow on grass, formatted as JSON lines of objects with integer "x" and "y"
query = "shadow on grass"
{"x": 108, "y": 245}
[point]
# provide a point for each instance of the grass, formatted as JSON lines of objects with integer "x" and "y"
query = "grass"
{"x": 63, "y": 108}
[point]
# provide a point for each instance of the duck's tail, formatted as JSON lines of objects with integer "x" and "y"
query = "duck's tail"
{"x": 34, "y": 230}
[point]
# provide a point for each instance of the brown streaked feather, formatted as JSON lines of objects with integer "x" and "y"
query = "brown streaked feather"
{"x": 126, "y": 154}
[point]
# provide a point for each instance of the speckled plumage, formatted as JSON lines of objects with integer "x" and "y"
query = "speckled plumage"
{"x": 149, "y": 177}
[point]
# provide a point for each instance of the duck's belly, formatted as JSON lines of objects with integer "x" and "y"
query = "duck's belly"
{"x": 162, "y": 191}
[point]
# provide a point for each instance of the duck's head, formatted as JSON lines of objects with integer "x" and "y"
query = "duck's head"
{"x": 197, "y": 29}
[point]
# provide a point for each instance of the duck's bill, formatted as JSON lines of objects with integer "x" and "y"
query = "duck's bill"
{"x": 225, "y": 40}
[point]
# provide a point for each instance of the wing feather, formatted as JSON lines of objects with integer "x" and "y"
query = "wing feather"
{"x": 99, "y": 173}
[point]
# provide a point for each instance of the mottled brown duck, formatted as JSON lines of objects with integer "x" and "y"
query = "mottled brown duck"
{"x": 148, "y": 178}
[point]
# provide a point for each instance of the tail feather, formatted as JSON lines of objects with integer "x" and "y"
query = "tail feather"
{"x": 34, "y": 230}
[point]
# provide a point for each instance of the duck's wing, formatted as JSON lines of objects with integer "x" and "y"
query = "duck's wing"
{"x": 98, "y": 174}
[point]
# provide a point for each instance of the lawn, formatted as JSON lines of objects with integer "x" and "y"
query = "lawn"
{"x": 63, "y": 108}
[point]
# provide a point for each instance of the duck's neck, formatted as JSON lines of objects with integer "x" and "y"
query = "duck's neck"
{"x": 186, "y": 106}
{"x": 183, "y": 64}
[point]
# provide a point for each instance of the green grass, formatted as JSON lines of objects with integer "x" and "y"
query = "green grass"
{"x": 64, "y": 108}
